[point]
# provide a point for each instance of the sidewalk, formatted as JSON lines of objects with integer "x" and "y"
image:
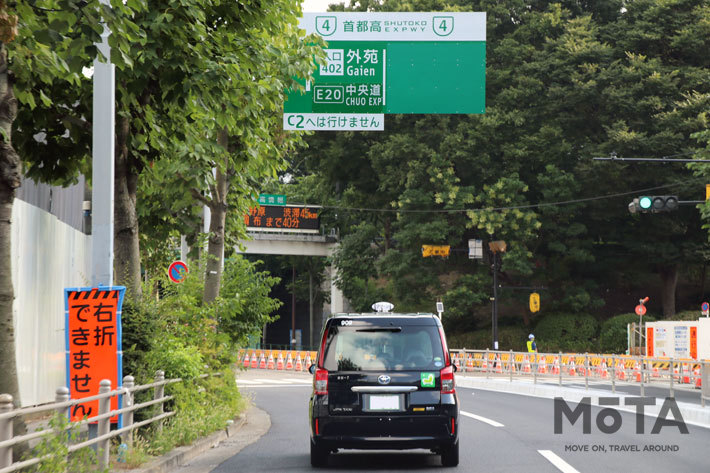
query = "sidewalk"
{"x": 207, "y": 453}
{"x": 692, "y": 414}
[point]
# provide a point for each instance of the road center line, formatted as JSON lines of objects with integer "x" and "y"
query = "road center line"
{"x": 482, "y": 419}
{"x": 561, "y": 465}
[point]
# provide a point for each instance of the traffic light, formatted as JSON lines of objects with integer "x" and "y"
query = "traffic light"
{"x": 654, "y": 203}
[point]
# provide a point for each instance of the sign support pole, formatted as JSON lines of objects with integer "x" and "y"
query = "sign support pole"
{"x": 104, "y": 124}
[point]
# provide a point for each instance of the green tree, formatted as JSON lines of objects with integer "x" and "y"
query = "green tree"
{"x": 43, "y": 48}
{"x": 207, "y": 105}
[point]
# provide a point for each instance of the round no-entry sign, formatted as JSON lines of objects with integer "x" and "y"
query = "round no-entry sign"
{"x": 640, "y": 309}
{"x": 177, "y": 272}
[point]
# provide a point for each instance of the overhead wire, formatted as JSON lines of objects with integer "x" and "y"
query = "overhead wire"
{"x": 520, "y": 207}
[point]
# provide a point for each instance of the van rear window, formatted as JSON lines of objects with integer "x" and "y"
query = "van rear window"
{"x": 367, "y": 348}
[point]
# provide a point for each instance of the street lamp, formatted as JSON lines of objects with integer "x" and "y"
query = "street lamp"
{"x": 498, "y": 246}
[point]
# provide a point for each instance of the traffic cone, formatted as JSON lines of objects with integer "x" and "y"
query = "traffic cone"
{"x": 499, "y": 365}
{"x": 571, "y": 369}
{"x": 655, "y": 372}
{"x": 526, "y": 365}
{"x": 686, "y": 373}
{"x": 637, "y": 372}
{"x": 246, "y": 359}
{"x": 604, "y": 370}
{"x": 299, "y": 364}
{"x": 484, "y": 365}
{"x": 620, "y": 371}
{"x": 469, "y": 363}
{"x": 542, "y": 365}
{"x": 280, "y": 362}
{"x": 698, "y": 377}
{"x": 253, "y": 362}
{"x": 457, "y": 361}
{"x": 270, "y": 364}
{"x": 309, "y": 362}
{"x": 289, "y": 362}
{"x": 556, "y": 365}
{"x": 262, "y": 361}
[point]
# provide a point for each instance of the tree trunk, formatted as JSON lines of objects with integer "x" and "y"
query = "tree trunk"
{"x": 669, "y": 281}
{"x": 127, "y": 262}
{"x": 10, "y": 171}
{"x": 215, "y": 248}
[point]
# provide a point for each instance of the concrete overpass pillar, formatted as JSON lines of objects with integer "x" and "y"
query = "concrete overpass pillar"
{"x": 337, "y": 301}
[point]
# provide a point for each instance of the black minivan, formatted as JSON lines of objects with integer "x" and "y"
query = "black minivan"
{"x": 384, "y": 381}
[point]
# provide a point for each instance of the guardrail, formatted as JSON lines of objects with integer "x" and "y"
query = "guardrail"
{"x": 675, "y": 374}
{"x": 63, "y": 403}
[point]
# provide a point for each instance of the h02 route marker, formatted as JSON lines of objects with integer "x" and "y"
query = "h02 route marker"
{"x": 379, "y": 63}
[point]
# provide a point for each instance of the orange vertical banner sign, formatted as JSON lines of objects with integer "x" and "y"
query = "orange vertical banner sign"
{"x": 694, "y": 342}
{"x": 649, "y": 341}
{"x": 93, "y": 341}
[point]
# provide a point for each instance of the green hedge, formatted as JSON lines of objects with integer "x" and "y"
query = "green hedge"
{"x": 612, "y": 338}
{"x": 566, "y": 332}
{"x": 509, "y": 338}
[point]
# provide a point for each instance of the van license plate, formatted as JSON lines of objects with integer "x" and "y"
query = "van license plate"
{"x": 384, "y": 403}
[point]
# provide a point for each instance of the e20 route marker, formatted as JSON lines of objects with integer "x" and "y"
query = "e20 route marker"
{"x": 378, "y": 63}
{"x": 177, "y": 272}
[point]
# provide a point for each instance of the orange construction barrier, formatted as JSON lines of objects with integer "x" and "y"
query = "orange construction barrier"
{"x": 270, "y": 364}
{"x": 262, "y": 361}
{"x": 280, "y": 362}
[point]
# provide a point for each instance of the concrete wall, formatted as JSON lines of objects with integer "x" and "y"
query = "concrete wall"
{"x": 47, "y": 256}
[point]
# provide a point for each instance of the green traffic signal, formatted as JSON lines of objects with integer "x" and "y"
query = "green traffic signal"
{"x": 645, "y": 202}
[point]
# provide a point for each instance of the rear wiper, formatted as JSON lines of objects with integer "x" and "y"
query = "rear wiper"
{"x": 380, "y": 329}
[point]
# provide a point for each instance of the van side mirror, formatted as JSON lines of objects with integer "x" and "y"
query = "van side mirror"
{"x": 312, "y": 369}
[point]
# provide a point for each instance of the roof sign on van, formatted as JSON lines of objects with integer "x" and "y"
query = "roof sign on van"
{"x": 382, "y": 306}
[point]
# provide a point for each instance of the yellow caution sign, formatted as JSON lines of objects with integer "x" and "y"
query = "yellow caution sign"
{"x": 435, "y": 250}
{"x": 707, "y": 191}
{"x": 534, "y": 302}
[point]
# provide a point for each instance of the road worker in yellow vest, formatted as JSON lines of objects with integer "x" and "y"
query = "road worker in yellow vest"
{"x": 532, "y": 347}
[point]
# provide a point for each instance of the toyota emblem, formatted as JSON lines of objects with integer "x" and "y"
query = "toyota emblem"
{"x": 383, "y": 379}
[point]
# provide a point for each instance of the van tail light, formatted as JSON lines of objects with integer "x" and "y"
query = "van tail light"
{"x": 447, "y": 380}
{"x": 453, "y": 426}
{"x": 320, "y": 381}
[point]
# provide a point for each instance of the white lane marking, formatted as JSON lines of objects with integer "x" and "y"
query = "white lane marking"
{"x": 297, "y": 380}
{"x": 561, "y": 465}
{"x": 245, "y": 381}
{"x": 271, "y": 381}
{"x": 482, "y": 419}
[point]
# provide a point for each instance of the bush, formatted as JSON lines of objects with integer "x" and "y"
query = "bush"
{"x": 509, "y": 338}
{"x": 566, "y": 332}
{"x": 613, "y": 337}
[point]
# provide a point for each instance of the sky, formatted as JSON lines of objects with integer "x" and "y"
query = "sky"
{"x": 318, "y": 5}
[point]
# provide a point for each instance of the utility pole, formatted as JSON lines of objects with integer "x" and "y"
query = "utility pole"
{"x": 498, "y": 246}
{"x": 293, "y": 310}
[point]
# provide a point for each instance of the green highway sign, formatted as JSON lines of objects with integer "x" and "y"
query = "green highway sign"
{"x": 272, "y": 199}
{"x": 380, "y": 63}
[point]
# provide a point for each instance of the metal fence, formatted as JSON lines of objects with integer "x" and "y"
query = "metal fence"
{"x": 103, "y": 418}
{"x": 668, "y": 373}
